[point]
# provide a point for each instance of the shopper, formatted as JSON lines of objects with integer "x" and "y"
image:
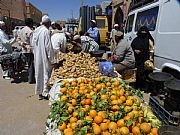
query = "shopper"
{"x": 112, "y": 37}
{"x": 94, "y": 32}
{"x": 5, "y": 48}
{"x": 123, "y": 55}
{"x": 43, "y": 57}
{"x": 25, "y": 37}
{"x": 58, "y": 39}
{"x": 141, "y": 45}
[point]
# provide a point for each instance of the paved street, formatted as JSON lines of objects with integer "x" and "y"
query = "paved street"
{"x": 21, "y": 113}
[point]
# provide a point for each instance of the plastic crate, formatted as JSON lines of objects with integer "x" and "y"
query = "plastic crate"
{"x": 165, "y": 116}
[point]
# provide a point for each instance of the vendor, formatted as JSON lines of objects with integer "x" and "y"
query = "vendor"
{"x": 86, "y": 43}
{"x": 123, "y": 55}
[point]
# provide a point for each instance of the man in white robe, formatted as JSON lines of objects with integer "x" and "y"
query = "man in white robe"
{"x": 43, "y": 56}
{"x": 5, "y": 47}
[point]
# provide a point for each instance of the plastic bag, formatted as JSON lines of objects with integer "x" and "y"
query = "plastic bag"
{"x": 106, "y": 68}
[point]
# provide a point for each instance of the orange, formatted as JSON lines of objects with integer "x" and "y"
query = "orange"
{"x": 137, "y": 102}
{"x": 87, "y": 107}
{"x": 129, "y": 102}
{"x": 123, "y": 98}
{"x": 112, "y": 126}
{"x": 141, "y": 113}
{"x": 88, "y": 118}
{"x": 121, "y": 92}
{"x": 140, "y": 119}
{"x": 98, "y": 119}
{"x": 154, "y": 131}
{"x": 88, "y": 96}
{"x": 120, "y": 123}
{"x": 124, "y": 131}
{"x": 130, "y": 114}
{"x": 62, "y": 127}
{"x": 104, "y": 97}
{"x": 108, "y": 84}
{"x": 92, "y": 93}
{"x": 83, "y": 102}
{"x": 145, "y": 127}
{"x": 64, "y": 98}
{"x": 104, "y": 126}
{"x": 97, "y": 79}
{"x": 73, "y": 119}
{"x": 88, "y": 101}
{"x": 79, "y": 122}
{"x": 119, "y": 101}
{"x": 92, "y": 113}
{"x": 114, "y": 102}
{"x": 135, "y": 113}
{"x": 102, "y": 114}
{"x": 73, "y": 102}
{"x": 116, "y": 83}
{"x": 113, "y": 97}
{"x": 63, "y": 90}
{"x": 73, "y": 125}
{"x": 96, "y": 129}
{"x": 69, "y": 133}
{"x": 115, "y": 108}
{"x": 67, "y": 130}
{"x": 95, "y": 90}
{"x": 126, "y": 118}
{"x": 127, "y": 108}
{"x": 70, "y": 109}
{"x": 136, "y": 131}
{"x": 98, "y": 86}
{"x": 74, "y": 84}
{"x": 103, "y": 85}
{"x": 75, "y": 114}
{"x": 106, "y": 133}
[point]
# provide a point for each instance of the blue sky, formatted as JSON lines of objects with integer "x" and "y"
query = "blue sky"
{"x": 62, "y": 9}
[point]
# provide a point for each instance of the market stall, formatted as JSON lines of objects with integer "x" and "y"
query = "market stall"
{"x": 84, "y": 101}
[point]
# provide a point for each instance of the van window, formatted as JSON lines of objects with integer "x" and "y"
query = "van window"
{"x": 147, "y": 18}
{"x": 100, "y": 23}
{"x": 129, "y": 23}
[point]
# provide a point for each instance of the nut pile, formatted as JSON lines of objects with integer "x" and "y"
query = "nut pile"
{"x": 77, "y": 65}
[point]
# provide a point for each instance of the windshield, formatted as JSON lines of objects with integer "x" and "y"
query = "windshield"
{"x": 129, "y": 24}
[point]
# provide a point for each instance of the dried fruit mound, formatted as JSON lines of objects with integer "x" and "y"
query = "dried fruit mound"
{"x": 77, "y": 65}
{"x": 100, "y": 106}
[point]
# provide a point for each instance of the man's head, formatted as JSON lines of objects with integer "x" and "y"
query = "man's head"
{"x": 116, "y": 26}
{"x": 77, "y": 38}
{"x": 46, "y": 21}
{"x": 2, "y": 25}
{"x": 93, "y": 23}
{"x": 118, "y": 36}
{"x": 29, "y": 22}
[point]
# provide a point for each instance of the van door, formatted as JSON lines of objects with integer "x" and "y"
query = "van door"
{"x": 129, "y": 36}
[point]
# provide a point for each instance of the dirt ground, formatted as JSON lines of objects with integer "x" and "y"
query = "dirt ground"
{"x": 21, "y": 113}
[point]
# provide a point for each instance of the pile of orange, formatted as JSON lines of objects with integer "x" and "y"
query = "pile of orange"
{"x": 100, "y": 106}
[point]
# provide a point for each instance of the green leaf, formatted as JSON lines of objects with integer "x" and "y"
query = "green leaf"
{"x": 129, "y": 123}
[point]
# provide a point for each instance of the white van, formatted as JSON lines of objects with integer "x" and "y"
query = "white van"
{"x": 162, "y": 17}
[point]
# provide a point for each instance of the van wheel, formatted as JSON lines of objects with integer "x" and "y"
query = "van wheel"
{"x": 173, "y": 72}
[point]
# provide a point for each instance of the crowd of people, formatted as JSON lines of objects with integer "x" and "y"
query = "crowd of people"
{"x": 42, "y": 46}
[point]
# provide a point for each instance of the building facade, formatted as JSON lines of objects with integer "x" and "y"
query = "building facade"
{"x": 120, "y": 10}
{"x": 33, "y": 12}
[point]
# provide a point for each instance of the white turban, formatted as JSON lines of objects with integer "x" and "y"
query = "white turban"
{"x": 45, "y": 19}
{"x": 116, "y": 25}
{"x": 76, "y": 37}
{"x": 2, "y": 23}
